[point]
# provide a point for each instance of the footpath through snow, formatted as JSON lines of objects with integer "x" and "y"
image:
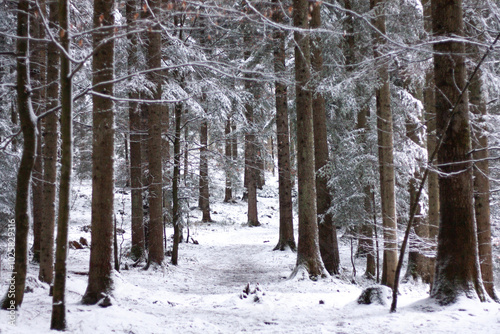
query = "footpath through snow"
{"x": 204, "y": 294}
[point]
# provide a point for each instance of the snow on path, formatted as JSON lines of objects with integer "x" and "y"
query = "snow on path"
{"x": 203, "y": 293}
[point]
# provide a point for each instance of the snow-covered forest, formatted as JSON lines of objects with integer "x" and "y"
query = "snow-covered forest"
{"x": 249, "y": 166}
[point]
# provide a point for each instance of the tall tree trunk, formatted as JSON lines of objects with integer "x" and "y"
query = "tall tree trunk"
{"x": 153, "y": 59}
{"x": 38, "y": 74}
{"x": 15, "y": 293}
{"x": 228, "y": 194}
{"x": 251, "y": 169}
{"x": 175, "y": 183}
{"x": 457, "y": 267}
{"x": 308, "y": 254}
{"x": 482, "y": 183}
{"x": 186, "y": 153}
{"x": 432, "y": 178}
{"x": 58, "y": 320}
{"x": 50, "y": 139}
{"x": 251, "y": 166}
{"x": 204, "y": 199}
{"x": 234, "y": 142}
{"x": 328, "y": 243}
{"x": 101, "y": 256}
{"x": 286, "y": 237}
{"x": 137, "y": 220}
{"x": 385, "y": 150}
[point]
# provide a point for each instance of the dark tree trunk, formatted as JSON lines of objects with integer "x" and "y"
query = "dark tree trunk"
{"x": 251, "y": 164}
{"x": 38, "y": 74}
{"x": 457, "y": 267}
{"x": 137, "y": 248}
{"x": 101, "y": 256}
{"x": 58, "y": 320}
{"x": 328, "y": 244}
{"x": 154, "y": 111}
{"x": 186, "y": 153}
{"x": 50, "y": 138}
{"x": 308, "y": 254}
{"x": 14, "y": 299}
{"x": 204, "y": 199}
{"x": 175, "y": 183}
{"x": 286, "y": 237}
{"x": 251, "y": 168}
{"x": 228, "y": 195}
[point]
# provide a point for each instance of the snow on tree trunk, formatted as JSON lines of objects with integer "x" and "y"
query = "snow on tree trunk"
{"x": 14, "y": 299}
{"x": 308, "y": 254}
{"x": 58, "y": 320}
{"x": 38, "y": 50}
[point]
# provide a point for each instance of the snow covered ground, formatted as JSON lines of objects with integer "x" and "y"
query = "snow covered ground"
{"x": 204, "y": 293}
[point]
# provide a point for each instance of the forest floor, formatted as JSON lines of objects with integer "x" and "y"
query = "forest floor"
{"x": 204, "y": 293}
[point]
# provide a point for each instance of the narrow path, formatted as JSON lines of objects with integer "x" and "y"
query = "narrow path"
{"x": 227, "y": 268}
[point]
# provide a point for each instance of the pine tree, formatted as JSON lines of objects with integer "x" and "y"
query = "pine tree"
{"x": 328, "y": 244}
{"x": 103, "y": 129}
{"x": 137, "y": 248}
{"x": 50, "y": 139}
{"x": 308, "y": 254}
{"x": 286, "y": 235}
{"x": 58, "y": 320}
{"x": 154, "y": 142}
{"x": 385, "y": 148}
{"x": 14, "y": 299}
{"x": 457, "y": 268}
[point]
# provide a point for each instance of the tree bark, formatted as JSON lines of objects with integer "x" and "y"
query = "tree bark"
{"x": 286, "y": 235}
{"x": 482, "y": 183}
{"x": 251, "y": 168}
{"x": 328, "y": 243}
{"x": 175, "y": 183}
{"x": 38, "y": 50}
{"x": 228, "y": 194}
{"x": 457, "y": 267}
{"x": 58, "y": 320}
{"x": 308, "y": 254}
{"x": 204, "y": 198}
{"x": 385, "y": 150}
{"x": 100, "y": 269}
{"x": 15, "y": 294}
{"x": 432, "y": 178}
{"x": 137, "y": 219}
{"x": 50, "y": 139}
{"x": 154, "y": 111}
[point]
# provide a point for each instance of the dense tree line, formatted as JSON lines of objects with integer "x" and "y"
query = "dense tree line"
{"x": 382, "y": 114}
